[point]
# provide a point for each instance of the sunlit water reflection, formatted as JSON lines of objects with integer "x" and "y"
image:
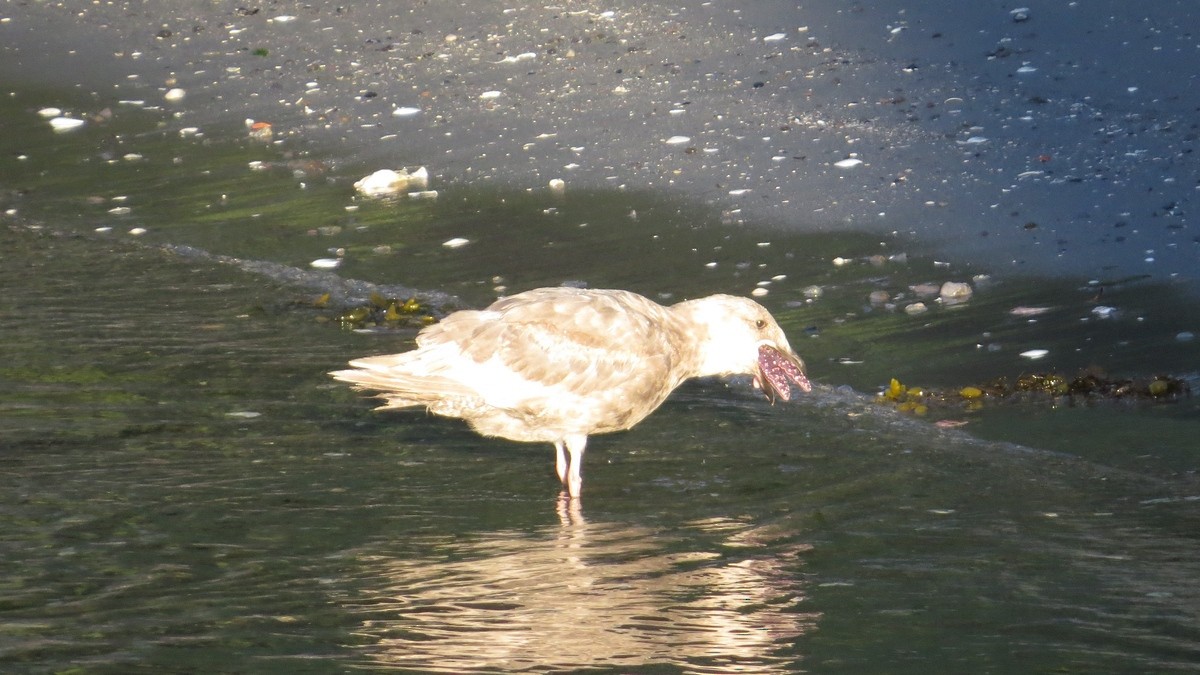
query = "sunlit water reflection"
{"x": 586, "y": 595}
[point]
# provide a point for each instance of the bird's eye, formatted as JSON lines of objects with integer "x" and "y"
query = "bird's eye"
{"x": 761, "y": 324}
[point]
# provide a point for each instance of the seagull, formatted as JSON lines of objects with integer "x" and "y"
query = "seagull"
{"x": 556, "y": 365}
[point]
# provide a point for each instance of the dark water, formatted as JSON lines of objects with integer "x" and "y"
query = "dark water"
{"x": 185, "y": 490}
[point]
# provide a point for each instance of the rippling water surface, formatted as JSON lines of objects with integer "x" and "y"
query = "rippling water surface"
{"x": 185, "y": 490}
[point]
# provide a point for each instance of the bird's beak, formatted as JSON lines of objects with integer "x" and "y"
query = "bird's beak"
{"x": 777, "y": 371}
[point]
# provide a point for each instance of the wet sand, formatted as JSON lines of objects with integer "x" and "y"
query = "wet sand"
{"x": 1052, "y": 140}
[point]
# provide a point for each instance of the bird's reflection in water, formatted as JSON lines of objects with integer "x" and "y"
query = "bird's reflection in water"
{"x": 709, "y": 597}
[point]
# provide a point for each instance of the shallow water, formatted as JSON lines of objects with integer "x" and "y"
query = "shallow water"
{"x": 185, "y": 490}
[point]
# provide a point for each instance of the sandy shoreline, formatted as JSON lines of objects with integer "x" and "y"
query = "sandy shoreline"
{"x": 1055, "y": 140}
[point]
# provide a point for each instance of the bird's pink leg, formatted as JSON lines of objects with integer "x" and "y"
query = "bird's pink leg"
{"x": 575, "y": 445}
{"x": 560, "y": 461}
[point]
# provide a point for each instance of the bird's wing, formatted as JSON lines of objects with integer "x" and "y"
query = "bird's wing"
{"x": 569, "y": 340}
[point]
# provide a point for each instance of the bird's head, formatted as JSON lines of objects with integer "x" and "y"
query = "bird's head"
{"x": 739, "y": 336}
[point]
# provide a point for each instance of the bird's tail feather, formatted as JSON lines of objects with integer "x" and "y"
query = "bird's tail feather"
{"x": 403, "y": 380}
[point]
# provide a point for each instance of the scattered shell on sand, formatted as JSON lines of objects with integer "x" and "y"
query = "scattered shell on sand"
{"x": 523, "y": 56}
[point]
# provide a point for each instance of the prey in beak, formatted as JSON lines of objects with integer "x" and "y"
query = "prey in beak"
{"x": 778, "y": 371}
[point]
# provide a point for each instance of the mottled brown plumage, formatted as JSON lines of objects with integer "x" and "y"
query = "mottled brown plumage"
{"x": 558, "y": 364}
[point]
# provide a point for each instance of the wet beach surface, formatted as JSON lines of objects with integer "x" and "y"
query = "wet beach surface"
{"x": 186, "y": 490}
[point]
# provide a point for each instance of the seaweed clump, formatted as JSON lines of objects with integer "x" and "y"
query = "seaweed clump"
{"x": 1089, "y": 386}
{"x": 379, "y": 312}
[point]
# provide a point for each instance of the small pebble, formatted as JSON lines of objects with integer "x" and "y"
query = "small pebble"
{"x": 457, "y": 242}
{"x": 1035, "y": 354}
{"x": 326, "y": 263}
{"x": 955, "y": 291}
{"x": 174, "y": 94}
{"x": 915, "y": 308}
{"x": 1185, "y": 336}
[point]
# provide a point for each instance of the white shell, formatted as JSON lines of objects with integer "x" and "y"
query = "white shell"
{"x": 390, "y": 183}
{"x": 65, "y": 123}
